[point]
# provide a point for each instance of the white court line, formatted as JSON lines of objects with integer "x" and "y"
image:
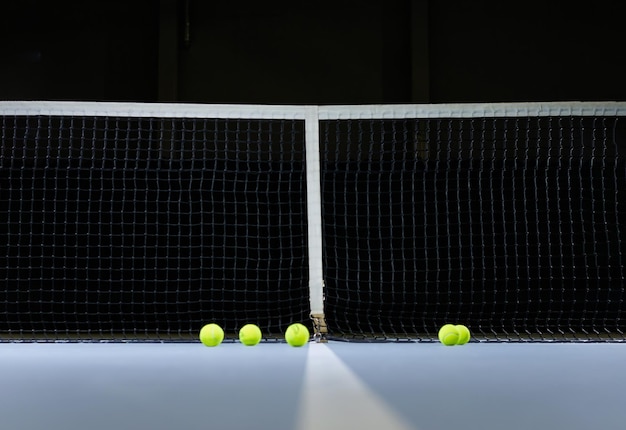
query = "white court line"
{"x": 334, "y": 398}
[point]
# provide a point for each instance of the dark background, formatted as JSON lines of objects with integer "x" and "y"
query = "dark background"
{"x": 323, "y": 52}
{"x": 78, "y": 259}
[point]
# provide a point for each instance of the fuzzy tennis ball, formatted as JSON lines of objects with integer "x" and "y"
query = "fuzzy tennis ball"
{"x": 464, "y": 334}
{"x": 250, "y": 335}
{"x": 449, "y": 335}
{"x": 297, "y": 335}
{"x": 211, "y": 335}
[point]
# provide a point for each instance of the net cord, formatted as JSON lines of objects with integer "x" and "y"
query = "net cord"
{"x": 181, "y": 110}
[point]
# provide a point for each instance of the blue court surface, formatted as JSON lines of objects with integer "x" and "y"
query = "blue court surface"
{"x": 329, "y": 386}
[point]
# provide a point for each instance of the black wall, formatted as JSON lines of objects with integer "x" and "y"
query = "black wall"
{"x": 527, "y": 51}
{"x": 78, "y": 50}
{"x": 348, "y": 51}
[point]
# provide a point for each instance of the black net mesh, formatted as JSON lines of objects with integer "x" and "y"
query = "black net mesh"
{"x": 515, "y": 227}
{"x": 140, "y": 228}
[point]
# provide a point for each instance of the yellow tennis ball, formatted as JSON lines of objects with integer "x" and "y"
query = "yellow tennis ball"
{"x": 250, "y": 335}
{"x": 464, "y": 334}
{"x": 297, "y": 335}
{"x": 211, "y": 335}
{"x": 449, "y": 335}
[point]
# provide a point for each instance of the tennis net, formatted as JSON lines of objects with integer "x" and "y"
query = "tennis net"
{"x": 144, "y": 221}
{"x": 508, "y": 218}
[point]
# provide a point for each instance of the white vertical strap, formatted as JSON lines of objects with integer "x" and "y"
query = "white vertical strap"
{"x": 314, "y": 205}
